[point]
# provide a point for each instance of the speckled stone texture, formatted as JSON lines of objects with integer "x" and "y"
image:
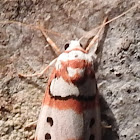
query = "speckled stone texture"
{"x": 25, "y": 50}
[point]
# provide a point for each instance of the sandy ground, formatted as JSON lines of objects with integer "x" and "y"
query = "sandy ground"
{"x": 24, "y": 50}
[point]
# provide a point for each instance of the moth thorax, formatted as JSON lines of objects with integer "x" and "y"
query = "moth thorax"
{"x": 75, "y": 72}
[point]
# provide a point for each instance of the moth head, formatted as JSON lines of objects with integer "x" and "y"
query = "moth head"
{"x": 72, "y": 45}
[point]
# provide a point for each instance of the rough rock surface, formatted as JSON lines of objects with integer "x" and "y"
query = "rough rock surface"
{"x": 25, "y": 50}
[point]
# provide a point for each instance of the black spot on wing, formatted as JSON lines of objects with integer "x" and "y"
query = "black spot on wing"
{"x": 50, "y": 121}
{"x": 47, "y": 136}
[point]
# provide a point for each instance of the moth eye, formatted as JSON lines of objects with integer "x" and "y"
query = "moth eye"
{"x": 81, "y": 45}
{"x": 66, "y": 46}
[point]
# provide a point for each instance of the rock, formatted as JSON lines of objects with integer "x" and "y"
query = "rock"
{"x": 23, "y": 50}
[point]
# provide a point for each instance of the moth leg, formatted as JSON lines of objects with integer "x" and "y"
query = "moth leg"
{"x": 31, "y": 124}
{"x": 105, "y": 128}
{"x": 40, "y": 73}
{"x": 104, "y": 125}
{"x": 96, "y": 36}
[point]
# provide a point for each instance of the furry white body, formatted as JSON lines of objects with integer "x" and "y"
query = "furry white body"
{"x": 70, "y": 109}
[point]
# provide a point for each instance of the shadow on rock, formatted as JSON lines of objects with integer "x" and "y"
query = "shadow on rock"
{"x": 109, "y": 124}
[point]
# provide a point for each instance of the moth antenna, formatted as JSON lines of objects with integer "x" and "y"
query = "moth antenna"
{"x": 124, "y": 13}
{"x": 35, "y": 27}
{"x": 41, "y": 28}
{"x": 97, "y": 36}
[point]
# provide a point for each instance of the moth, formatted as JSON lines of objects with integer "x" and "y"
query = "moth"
{"x": 70, "y": 109}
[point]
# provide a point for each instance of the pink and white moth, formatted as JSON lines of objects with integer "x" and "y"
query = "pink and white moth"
{"x": 70, "y": 109}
